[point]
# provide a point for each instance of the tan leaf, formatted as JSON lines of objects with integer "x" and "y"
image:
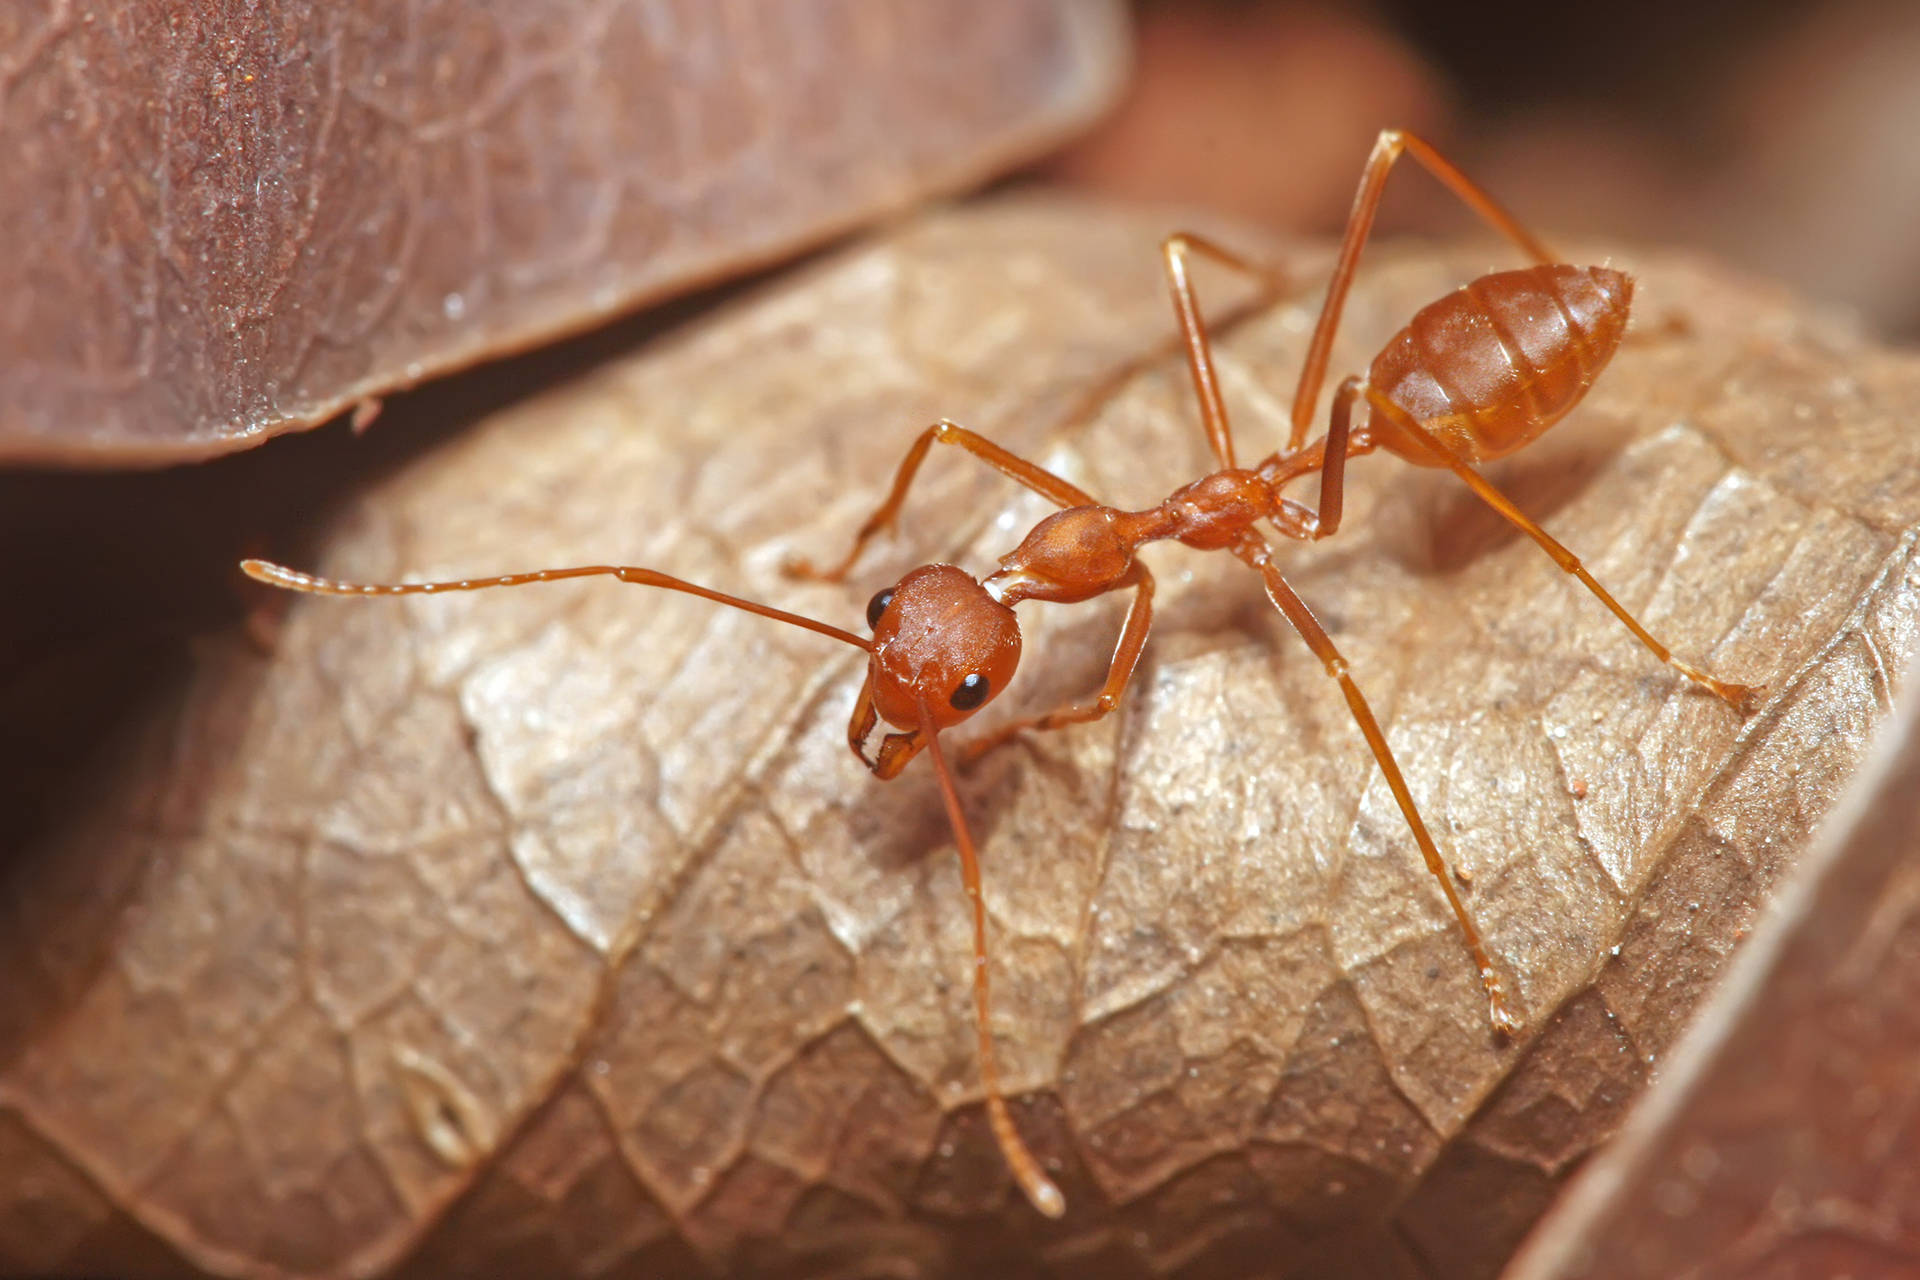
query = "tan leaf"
{"x": 224, "y": 223}
{"x": 554, "y": 931}
{"x": 1782, "y": 1141}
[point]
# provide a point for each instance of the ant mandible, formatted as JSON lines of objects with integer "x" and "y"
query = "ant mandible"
{"x": 1473, "y": 377}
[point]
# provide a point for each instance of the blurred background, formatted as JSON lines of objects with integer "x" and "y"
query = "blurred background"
{"x": 1778, "y": 135}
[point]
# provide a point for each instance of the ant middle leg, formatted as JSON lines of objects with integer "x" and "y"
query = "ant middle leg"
{"x": 1743, "y": 698}
{"x": 1338, "y": 448}
{"x": 1389, "y": 147}
{"x": 1126, "y": 656}
{"x": 1011, "y": 465}
{"x": 1255, "y": 553}
{"x": 1327, "y": 455}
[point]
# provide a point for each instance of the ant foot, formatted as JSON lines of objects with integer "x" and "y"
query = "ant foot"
{"x": 1744, "y": 698}
{"x": 1505, "y": 1023}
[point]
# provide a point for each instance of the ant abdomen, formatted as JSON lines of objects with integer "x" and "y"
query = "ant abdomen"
{"x": 1490, "y": 367}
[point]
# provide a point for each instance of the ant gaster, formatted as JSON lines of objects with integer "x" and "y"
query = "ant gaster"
{"x": 1473, "y": 377}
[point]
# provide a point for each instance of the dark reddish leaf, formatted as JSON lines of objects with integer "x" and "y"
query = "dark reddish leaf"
{"x": 227, "y": 221}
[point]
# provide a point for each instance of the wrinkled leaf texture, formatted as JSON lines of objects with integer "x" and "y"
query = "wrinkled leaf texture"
{"x": 228, "y": 221}
{"x": 555, "y": 931}
{"x": 1782, "y": 1140}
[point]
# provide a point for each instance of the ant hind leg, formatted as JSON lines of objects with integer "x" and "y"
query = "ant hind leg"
{"x": 1389, "y": 147}
{"x": 1741, "y": 697}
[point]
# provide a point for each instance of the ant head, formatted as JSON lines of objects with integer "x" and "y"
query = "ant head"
{"x": 942, "y": 648}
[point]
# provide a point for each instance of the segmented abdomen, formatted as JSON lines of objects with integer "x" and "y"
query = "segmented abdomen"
{"x": 1489, "y": 367}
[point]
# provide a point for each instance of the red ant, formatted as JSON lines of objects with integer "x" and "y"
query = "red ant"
{"x": 1473, "y": 377}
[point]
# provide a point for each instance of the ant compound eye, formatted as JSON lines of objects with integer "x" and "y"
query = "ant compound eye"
{"x": 877, "y": 606}
{"x": 971, "y": 693}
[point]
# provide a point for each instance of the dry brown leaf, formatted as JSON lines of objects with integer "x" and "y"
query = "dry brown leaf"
{"x": 225, "y": 222}
{"x": 556, "y": 932}
{"x": 1783, "y": 1142}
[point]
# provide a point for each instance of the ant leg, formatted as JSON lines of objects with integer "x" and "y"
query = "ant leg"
{"x": 1011, "y": 465}
{"x": 1256, "y": 554}
{"x": 1039, "y": 1189}
{"x": 1366, "y": 202}
{"x": 1327, "y": 455}
{"x": 1333, "y": 475}
{"x": 1193, "y": 326}
{"x": 1126, "y": 655}
{"x": 1743, "y": 698}
{"x": 1103, "y": 389}
{"x": 1335, "y": 449}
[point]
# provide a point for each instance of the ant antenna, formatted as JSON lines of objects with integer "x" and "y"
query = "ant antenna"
{"x": 1039, "y": 1188}
{"x": 275, "y": 575}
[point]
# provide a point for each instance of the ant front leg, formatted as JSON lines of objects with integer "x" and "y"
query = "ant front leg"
{"x": 1391, "y": 144}
{"x": 1126, "y": 656}
{"x": 1743, "y": 698}
{"x": 1011, "y": 465}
